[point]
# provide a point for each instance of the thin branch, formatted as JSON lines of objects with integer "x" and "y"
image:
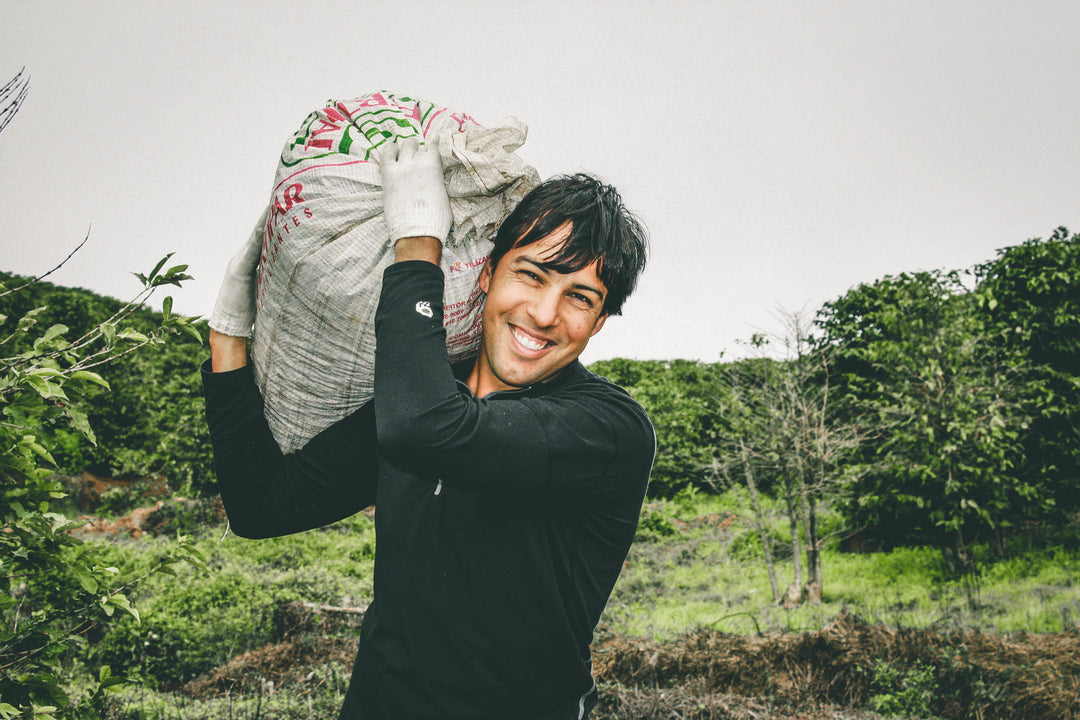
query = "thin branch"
{"x": 18, "y": 86}
{"x": 50, "y": 272}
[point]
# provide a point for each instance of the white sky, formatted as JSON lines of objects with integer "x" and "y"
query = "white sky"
{"x": 779, "y": 152}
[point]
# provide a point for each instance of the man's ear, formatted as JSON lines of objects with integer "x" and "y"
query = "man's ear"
{"x": 599, "y": 324}
{"x": 484, "y": 281}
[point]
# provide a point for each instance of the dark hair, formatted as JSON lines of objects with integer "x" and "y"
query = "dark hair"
{"x": 602, "y": 229}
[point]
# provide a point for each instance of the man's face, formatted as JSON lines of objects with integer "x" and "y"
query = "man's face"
{"x": 536, "y": 320}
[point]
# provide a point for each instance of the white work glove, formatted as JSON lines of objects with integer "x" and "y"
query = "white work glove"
{"x": 415, "y": 203}
{"x": 234, "y": 310}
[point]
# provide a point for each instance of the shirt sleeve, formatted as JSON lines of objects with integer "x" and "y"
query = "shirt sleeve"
{"x": 590, "y": 441}
{"x": 266, "y": 493}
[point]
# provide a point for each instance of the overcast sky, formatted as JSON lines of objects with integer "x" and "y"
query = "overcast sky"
{"x": 779, "y": 152}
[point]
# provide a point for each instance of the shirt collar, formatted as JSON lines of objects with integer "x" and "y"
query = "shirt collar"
{"x": 571, "y": 372}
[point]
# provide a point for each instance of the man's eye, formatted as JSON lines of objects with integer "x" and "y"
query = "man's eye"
{"x": 531, "y": 275}
{"x": 583, "y": 299}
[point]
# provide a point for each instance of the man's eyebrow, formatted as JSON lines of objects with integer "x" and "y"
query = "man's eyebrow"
{"x": 550, "y": 268}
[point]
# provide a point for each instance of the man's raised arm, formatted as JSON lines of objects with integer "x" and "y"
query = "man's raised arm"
{"x": 266, "y": 493}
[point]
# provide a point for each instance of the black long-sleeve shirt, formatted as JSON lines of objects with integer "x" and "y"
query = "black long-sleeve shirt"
{"x": 502, "y": 523}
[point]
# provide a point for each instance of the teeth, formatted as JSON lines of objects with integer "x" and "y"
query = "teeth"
{"x": 529, "y": 342}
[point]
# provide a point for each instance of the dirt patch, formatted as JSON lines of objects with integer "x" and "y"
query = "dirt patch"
{"x": 132, "y": 525}
{"x": 87, "y": 488}
{"x": 688, "y": 703}
{"x": 296, "y": 620}
{"x": 296, "y": 664}
{"x": 164, "y": 517}
{"x": 712, "y": 676}
{"x": 970, "y": 674}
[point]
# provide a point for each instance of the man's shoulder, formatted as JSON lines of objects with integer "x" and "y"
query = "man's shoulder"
{"x": 582, "y": 383}
{"x": 617, "y": 418}
{"x": 580, "y": 376}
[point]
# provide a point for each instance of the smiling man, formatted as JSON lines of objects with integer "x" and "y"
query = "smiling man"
{"x": 537, "y": 319}
{"x": 508, "y": 488}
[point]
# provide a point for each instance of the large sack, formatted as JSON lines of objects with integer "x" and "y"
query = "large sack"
{"x": 325, "y": 247}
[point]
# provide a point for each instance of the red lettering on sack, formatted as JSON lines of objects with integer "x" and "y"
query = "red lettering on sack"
{"x": 291, "y": 196}
{"x": 431, "y": 120}
{"x": 415, "y": 114}
{"x": 374, "y": 100}
{"x": 463, "y": 120}
{"x": 268, "y": 257}
{"x": 323, "y": 142}
{"x": 292, "y": 193}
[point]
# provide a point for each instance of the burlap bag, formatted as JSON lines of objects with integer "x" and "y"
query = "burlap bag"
{"x": 325, "y": 247}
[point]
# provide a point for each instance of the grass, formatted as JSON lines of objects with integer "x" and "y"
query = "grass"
{"x": 687, "y": 574}
{"x": 696, "y": 564}
{"x": 139, "y": 703}
{"x": 195, "y": 621}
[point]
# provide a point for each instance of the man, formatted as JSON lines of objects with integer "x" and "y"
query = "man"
{"x": 508, "y": 488}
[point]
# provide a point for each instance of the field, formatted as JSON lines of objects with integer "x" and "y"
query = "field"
{"x": 690, "y": 632}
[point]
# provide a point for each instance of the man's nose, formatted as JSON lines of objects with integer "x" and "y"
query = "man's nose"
{"x": 544, "y": 307}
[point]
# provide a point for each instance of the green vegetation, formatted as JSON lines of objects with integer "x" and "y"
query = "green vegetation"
{"x": 54, "y": 589}
{"x": 332, "y": 681}
{"x": 193, "y": 622}
{"x": 906, "y": 432}
{"x": 138, "y": 433}
{"x": 903, "y": 692}
{"x": 700, "y": 574}
{"x": 916, "y": 410}
{"x": 693, "y": 568}
{"x": 909, "y": 456}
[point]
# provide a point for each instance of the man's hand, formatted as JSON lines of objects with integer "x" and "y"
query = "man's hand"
{"x": 415, "y": 203}
{"x": 234, "y": 310}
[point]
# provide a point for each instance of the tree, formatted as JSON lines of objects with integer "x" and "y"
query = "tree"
{"x": 784, "y": 435}
{"x": 912, "y": 354}
{"x": 1030, "y": 295}
{"x": 53, "y": 588}
{"x": 680, "y": 397}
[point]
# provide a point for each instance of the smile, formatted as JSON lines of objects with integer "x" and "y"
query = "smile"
{"x": 528, "y": 341}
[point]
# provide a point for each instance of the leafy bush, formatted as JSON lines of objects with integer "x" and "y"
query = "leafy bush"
{"x": 191, "y": 628}
{"x": 902, "y": 692}
{"x": 193, "y": 623}
{"x": 53, "y": 588}
{"x": 653, "y": 526}
{"x": 1028, "y": 295}
{"x": 138, "y": 434}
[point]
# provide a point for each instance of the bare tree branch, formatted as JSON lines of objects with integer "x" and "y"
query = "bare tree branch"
{"x": 50, "y": 272}
{"x": 13, "y": 94}
{"x": 19, "y": 87}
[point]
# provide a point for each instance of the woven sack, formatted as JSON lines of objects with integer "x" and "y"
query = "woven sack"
{"x": 325, "y": 246}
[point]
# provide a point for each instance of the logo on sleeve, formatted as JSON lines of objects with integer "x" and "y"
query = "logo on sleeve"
{"x": 424, "y": 308}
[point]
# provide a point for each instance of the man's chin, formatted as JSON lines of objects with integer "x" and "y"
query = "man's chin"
{"x": 522, "y": 376}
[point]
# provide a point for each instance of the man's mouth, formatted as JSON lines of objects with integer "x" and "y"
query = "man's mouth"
{"x": 528, "y": 341}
